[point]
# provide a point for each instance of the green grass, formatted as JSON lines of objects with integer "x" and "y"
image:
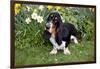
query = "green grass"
{"x": 82, "y": 52}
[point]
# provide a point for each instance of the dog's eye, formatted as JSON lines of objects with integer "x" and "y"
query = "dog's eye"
{"x": 55, "y": 17}
{"x": 51, "y": 16}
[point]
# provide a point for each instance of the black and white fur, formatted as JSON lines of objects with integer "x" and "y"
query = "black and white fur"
{"x": 59, "y": 33}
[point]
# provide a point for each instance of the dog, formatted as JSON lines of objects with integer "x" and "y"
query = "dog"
{"x": 59, "y": 34}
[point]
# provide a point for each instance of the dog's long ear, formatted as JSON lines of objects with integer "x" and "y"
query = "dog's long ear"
{"x": 46, "y": 35}
{"x": 59, "y": 37}
{"x": 59, "y": 17}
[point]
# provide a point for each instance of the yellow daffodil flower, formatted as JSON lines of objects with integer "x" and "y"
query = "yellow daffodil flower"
{"x": 17, "y": 8}
{"x": 58, "y": 8}
{"x": 49, "y": 7}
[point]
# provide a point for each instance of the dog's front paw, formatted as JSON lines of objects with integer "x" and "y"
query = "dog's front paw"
{"x": 53, "y": 51}
{"x": 58, "y": 48}
{"x": 67, "y": 52}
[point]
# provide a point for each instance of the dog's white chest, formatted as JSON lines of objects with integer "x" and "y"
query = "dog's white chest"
{"x": 53, "y": 41}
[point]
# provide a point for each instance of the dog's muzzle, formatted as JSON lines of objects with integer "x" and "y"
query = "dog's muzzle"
{"x": 48, "y": 25}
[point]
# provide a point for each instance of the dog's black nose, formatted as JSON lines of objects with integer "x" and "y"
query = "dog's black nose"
{"x": 47, "y": 25}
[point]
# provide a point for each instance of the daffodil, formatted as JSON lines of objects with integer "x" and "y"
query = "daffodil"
{"x": 41, "y": 7}
{"x": 58, "y": 8}
{"x": 34, "y": 16}
{"x": 35, "y": 10}
{"x": 28, "y": 20}
{"x": 17, "y": 8}
{"x": 40, "y": 19}
{"x": 49, "y": 7}
{"x": 91, "y": 9}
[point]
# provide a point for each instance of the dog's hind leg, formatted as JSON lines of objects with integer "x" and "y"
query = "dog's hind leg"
{"x": 74, "y": 39}
{"x": 65, "y": 49}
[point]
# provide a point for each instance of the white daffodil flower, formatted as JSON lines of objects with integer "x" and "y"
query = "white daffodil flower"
{"x": 34, "y": 16}
{"x": 41, "y": 7}
{"x": 28, "y": 20}
{"x": 40, "y": 19}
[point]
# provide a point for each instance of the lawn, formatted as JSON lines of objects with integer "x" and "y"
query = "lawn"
{"x": 82, "y": 52}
